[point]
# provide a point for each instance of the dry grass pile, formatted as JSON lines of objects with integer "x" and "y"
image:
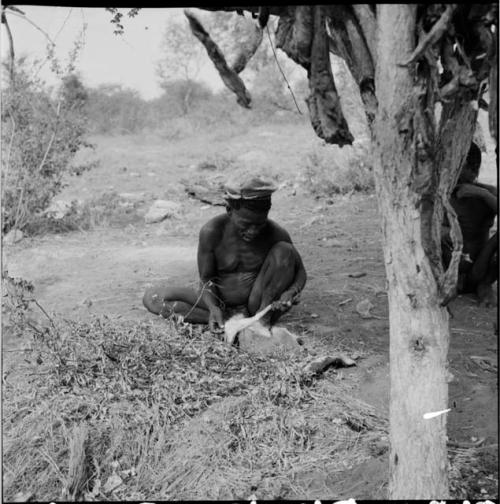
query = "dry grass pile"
{"x": 127, "y": 410}
{"x": 473, "y": 472}
{"x": 254, "y": 447}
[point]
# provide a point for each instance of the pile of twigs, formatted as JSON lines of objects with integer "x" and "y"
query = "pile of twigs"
{"x": 154, "y": 410}
{"x": 180, "y": 367}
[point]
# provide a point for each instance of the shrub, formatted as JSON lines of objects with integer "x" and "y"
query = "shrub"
{"x": 113, "y": 109}
{"x": 40, "y": 136}
{"x": 331, "y": 170}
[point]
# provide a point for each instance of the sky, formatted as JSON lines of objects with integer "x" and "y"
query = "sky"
{"x": 127, "y": 59}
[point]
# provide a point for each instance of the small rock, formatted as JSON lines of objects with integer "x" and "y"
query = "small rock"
{"x": 358, "y": 274}
{"x": 13, "y": 236}
{"x": 314, "y": 315}
{"x": 364, "y": 307}
{"x": 160, "y": 210}
{"x": 113, "y": 482}
{"x": 58, "y": 209}
{"x": 87, "y": 302}
{"x": 127, "y": 473}
{"x": 204, "y": 165}
{"x": 254, "y": 340}
{"x": 131, "y": 196}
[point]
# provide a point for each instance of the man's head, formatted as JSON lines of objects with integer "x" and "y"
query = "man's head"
{"x": 248, "y": 204}
{"x": 470, "y": 170}
{"x": 249, "y": 217}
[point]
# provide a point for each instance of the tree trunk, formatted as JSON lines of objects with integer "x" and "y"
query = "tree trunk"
{"x": 419, "y": 329}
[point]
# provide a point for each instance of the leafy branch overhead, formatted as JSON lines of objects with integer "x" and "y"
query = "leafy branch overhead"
{"x": 456, "y": 51}
{"x": 117, "y": 18}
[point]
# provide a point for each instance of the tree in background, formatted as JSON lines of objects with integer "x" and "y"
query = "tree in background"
{"x": 180, "y": 64}
{"x": 113, "y": 109}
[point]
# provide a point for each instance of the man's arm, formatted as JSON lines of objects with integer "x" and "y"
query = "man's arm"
{"x": 486, "y": 193}
{"x": 492, "y": 189}
{"x": 207, "y": 269}
{"x": 300, "y": 278}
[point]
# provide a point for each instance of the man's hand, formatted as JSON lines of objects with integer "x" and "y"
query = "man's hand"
{"x": 287, "y": 299}
{"x": 470, "y": 191}
{"x": 216, "y": 320}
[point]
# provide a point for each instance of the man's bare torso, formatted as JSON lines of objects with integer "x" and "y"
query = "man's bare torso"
{"x": 238, "y": 262}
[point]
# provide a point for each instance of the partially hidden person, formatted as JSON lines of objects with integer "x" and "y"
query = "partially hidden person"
{"x": 476, "y": 205}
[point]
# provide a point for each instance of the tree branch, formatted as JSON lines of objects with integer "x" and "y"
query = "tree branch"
{"x": 433, "y": 36}
{"x": 11, "y": 47}
{"x": 493, "y": 86}
{"x": 53, "y": 136}
{"x": 22, "y": 16}
{"x": 448, "y": 285}
{"x": 228, "y": 75}
{"x": 358, "y": 60}
{"x": 294, "y": 34}
{"x": 9, "y": 151}
{"x": 366, "y": 19}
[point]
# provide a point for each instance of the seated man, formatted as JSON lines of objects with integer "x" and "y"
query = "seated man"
{"x": 245, "y": 261}
{"x": 476, "y": 206}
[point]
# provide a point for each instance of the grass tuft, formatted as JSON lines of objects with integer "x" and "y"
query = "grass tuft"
{"x": 331, "y": 170}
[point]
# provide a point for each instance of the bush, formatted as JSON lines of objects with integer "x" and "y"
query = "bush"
{"x": 116, "y": 110}
{"x": 330, "y": 170}
{"x": 40, "y": 136}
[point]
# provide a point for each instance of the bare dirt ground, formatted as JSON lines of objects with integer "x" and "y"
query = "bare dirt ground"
{"x": 107, "y": 269}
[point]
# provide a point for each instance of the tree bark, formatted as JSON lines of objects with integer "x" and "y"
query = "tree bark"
{"x": 419, "y": 329}
{"x": 493, "y": 106}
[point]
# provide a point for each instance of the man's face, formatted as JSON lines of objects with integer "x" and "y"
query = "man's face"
{"x": 248, "y": 224}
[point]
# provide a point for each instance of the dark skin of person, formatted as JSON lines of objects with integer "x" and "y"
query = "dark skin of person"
{"x": 246, "y": 261}
{"x": 476, "y": 205}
